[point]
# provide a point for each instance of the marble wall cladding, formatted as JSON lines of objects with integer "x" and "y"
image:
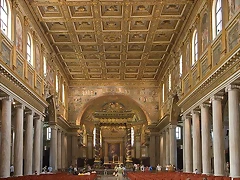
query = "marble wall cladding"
{"x": 204, "y": 67}
{"x": 30, "y": 78}
{"x": 38, "y": 87}
{"x": 19, "y": 68}
{"x": 216, "y": 54}
{"x": 186, "y": 85}
{"x": 6, "y": 54}
{"x": 146, "y": 98}
{"x": 233, "y": 36}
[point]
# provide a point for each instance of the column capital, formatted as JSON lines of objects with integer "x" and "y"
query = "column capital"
{"x": 187, "y": 116}
{"x": 10, "y": 98}
{"x": 205, "y": 105}
{"x": 29, "y": 112}
{"x": 216, "y": 98}
{"x": 19, "y": 106}
{"x": 172, "y": 126}
{"x": 232, "y": 87}
{"x": 195, "y": 111}
{"x": 53, "y": 127}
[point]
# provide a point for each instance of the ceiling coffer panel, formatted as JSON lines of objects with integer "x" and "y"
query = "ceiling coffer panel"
{"x": 112, "y": 39}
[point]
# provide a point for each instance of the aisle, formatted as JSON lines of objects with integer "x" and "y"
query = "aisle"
{"x": 108, "y": 177}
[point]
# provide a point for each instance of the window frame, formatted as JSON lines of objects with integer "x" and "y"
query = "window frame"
{"x": 7, "y": 22}
{"x": 194, "y": 47}
{"x": 49, "y": 131}
{"x": 57, "y": 84}
{"x": 169, "y": 82}
{"x": 178, "y": 133}
{"x": 215, "y": 22}
{"x": 180, "y": 66}
{"x": 29, "y": 49}
{"x": 163, "y": 93}
{"x": 44, "y": 66}
{"x": 63, "y": 93}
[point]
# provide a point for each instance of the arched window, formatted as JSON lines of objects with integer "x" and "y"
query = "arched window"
{"x": 163, "y": 95}
{"x": 29, "y": 49}
{"x": 217, "y": 17}
{"x": 63, "y": 94}
{"x": 132, "y": 136}
{"x": 178, "y": 132}
{"x": 44, "y": 67}
{"x": 194, "y": 47}
{"x": 5, "y": 18}
{"x": 57, "y": 83}
{"x": 169, "y": 82}
{"x": 49, "y": 130}
{"x": 94, "y": 137}
{"x": 180, "y": 66}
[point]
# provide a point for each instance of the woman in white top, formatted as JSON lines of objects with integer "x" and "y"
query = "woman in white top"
{"x": 120, "y": 172}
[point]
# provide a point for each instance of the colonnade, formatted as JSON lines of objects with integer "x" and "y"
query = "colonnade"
{"x": 26, "y": 144}
{"x": 62, "y": 147}
{"x": 197, "y": 140}
{"x": 168, "y": 146}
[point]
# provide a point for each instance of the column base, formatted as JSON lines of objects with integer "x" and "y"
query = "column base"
{"x": 218, "y": 174}
{"x": 97, "y": 164}
{"x": 129, "y": 165}
{"x": 234, "y": 176}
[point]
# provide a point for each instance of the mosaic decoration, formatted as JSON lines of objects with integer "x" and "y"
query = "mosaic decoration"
{"x": 234, "y": 6}
{"x": 19, "y": 35}
{"x": 205, "y": 30}
{"x": 38, "y": 60}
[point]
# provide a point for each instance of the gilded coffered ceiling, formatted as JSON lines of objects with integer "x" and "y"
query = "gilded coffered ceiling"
{"x": 115, "y": 40}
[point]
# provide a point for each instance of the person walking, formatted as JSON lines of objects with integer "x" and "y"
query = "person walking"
{"x": 120, "y": 172}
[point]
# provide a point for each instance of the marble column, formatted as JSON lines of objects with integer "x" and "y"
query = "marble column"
{"x": 63, "y": 151}
{"x": 173, "y": 145}
{"x": 41, "y": 143}
{"x": 128, "y": 152}
{"x": 161, "y": 150}
{"x": 188, "y": 145}
{"x": 234, "y": 130}
{"x": 152, "y": 150}
{"x": 197, "y": 158}
{"x": 206, "y": 141}
{"x": 164, "y": 148}
{"x": 157, "y": 150}
{"x": 74, "y": 149}
{"x": 69, "y": 150}
{"x": 183, "y": 146}
{"x": 28, "y": 144}
{"x": 97, "y": 144}
{"x": 53, "y": 148}
{"x": 37, "y": 142}
{"x": 18, "y": 143}
{"x": 5, "y": 153}
{"x": 138, "y": 146}
{"x": 218, "y": 148}
{"x": 167, "y": 153}
{"x": 59, "y": 149}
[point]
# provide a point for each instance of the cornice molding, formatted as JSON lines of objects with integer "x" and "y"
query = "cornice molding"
{"x": 10, "y": 84}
